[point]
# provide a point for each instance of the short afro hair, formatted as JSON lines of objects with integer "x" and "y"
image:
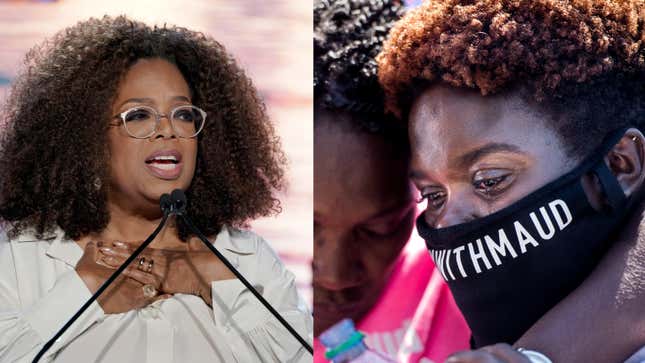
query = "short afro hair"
{"x": 54, "y": 158}
{"x": 581, "y": 62}
{"x": 348, "y": 34}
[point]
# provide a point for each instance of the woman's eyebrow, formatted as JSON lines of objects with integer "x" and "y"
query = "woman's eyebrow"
{"x": 151, "y": 101}
{"x": 137, "y": 100}
{"x": 181, "y": 98}
{"x": 474, "y": 155}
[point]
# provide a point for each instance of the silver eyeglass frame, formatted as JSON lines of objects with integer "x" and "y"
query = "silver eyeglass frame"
{"x": 158, "y": 117}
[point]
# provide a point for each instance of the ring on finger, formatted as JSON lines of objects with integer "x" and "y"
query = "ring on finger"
{"x": 534, "y": 356}
{"x": 151, "y": 262}
{"x": 140, "y": 266}
{"x": 149, "y": 291}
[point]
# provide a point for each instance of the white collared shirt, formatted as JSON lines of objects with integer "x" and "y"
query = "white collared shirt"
{"x": 40, "y": 290}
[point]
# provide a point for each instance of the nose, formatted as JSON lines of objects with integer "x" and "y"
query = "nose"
{"x": 460, "y": 207}
{"x": 337, "y": 262}
{"x": 164, "y": 127}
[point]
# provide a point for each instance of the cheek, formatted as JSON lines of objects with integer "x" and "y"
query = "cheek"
{"x": 122, "y": 153}
{"x": 193, "y": 147}
{"x": 531, "y": 179}
{"x": 191, "y": 157}
{"x": 380, "y": 255}
{"x": 378, "y": 266}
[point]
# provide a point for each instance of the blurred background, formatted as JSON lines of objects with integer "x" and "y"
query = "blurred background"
{"x": 270, "y": 39}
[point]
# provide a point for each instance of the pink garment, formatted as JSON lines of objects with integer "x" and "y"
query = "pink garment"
{"x": 416, "y": 319}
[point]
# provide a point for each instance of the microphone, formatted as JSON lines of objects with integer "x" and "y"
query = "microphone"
{"x": 166, "y": 204}
{"x": 180, "y": 202}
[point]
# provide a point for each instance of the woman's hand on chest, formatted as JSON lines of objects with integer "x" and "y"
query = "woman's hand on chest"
{"x": 187, "y": 271}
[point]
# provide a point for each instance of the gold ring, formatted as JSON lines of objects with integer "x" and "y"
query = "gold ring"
{"x": 142, "y": 260}
{"x": 150, "y": 263}
{"x": 149, "y": 291}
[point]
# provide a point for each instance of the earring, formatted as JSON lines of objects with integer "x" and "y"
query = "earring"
{"x": 97, "y": 183}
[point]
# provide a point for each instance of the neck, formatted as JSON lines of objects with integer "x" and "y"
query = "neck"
{"x": 134, "y": 226}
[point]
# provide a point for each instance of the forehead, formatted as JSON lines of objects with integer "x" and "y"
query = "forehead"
{"x": 155, "y": 78}
{"x": 356, "y": 174}
{"x": 445, "y": 122}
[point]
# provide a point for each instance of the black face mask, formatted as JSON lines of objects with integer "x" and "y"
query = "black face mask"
{"x": 508, "y": 269}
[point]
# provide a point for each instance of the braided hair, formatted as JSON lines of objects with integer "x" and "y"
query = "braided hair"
{"x": 348, "y": 34}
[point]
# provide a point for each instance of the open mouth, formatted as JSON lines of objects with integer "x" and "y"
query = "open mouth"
{"x": 165, "y": 164}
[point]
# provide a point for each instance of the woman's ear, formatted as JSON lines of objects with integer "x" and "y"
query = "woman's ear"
{"x": 625, "y": 160}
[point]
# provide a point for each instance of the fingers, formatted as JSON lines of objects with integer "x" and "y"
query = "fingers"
{"x": 506, "y": 353}
{"x": 121, "y": 249}
{"x": 144, "y": 262}
{"x": 130, "y": 247}
{"x": 108, "y": 260}
{"x": 118, "y": 252}
{"x": 498, "y": 353}
{"x": 144, "y": 278}
{"x": 88, "y": 259}
{"x": 90, "y": 250}
{"x": 131, "y": 271}
{"x": 473, "y": 356}
{"x": 124, "y": 245}
{"x": 121, "y": 254}
{"x": 161, "y": 297}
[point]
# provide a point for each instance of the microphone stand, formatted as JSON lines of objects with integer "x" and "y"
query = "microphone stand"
{"x": 179, "y": 203}
{"x": 166, "y": 208}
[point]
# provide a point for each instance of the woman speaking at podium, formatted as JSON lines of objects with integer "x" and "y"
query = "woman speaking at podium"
{"x": 106, "y": 117}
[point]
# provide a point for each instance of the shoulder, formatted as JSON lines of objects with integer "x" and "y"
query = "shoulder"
{"x": 28, "y": 243}
{"x": 4, "y": 240}
{"x": 238, "y": 235}
{"x": 7, "y": 238}
{"x": 637, "y": 357}
{"x": 252, "y": 252}
{"x": 244, "y": 241}
{"x": 27, "y": 235}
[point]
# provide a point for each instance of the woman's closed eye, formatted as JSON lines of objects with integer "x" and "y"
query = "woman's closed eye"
{"x": 491, "y": 183}
{"x": 378, "y": 231}
{"x": 387, "y": 226}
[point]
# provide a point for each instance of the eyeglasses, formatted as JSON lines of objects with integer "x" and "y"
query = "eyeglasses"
{"x": 141, "y": 122}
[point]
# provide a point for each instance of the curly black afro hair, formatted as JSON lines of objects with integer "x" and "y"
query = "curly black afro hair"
{"x": 580, "y": 62}
{"x": 348, "y": 34}
{"x": 53, "y": 151}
